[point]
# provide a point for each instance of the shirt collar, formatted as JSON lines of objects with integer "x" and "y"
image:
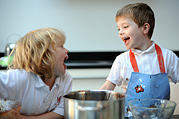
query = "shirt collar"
{"x": 39, "y": 82}
{"x": 57, "y": 81}
{"x": 151, "y": 49}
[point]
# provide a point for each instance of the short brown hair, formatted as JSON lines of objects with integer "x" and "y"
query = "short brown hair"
{"x": 140, "y": 13}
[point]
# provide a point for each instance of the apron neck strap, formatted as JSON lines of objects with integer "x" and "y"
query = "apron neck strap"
{"x": 160, "y": 60}
{"x": 133, "y": 61}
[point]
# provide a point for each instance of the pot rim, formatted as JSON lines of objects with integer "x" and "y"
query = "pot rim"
{"x": 122, "y": 98}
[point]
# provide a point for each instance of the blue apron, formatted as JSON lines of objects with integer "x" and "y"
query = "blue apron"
{"x": 147, "y": 86}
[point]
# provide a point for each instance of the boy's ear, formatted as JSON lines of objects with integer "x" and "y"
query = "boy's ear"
{"x": 146, "y": 28}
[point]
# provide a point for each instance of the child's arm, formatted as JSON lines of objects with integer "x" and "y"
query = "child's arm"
{"x": 10, "y": 82}
{"x": 108, "y": 86}
{"x": 49, "y": 115}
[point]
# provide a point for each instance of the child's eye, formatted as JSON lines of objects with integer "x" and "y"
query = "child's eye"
{"x": 60, "y": 44}
{"x": 126, "y": 26}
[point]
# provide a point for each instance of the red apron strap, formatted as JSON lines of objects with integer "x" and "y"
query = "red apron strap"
{"x": 160, "y": 60}
{"x": 133, "y": 61}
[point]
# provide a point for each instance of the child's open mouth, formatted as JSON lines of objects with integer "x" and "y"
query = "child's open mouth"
{"x": 125, "y": 40}
{"x": 65, "y": 61}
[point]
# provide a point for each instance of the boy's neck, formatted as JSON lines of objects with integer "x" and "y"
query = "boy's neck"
{"x": 145, "y": 46}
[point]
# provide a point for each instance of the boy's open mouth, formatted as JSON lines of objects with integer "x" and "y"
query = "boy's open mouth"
{"x": 127, "y": 38}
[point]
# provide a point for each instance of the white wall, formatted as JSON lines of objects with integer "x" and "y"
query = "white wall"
{"x": 89, "y": 24}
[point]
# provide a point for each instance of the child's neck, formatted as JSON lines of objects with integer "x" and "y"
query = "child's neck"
{"x": 50, "y": 82}
{"x": 145, "y": 46}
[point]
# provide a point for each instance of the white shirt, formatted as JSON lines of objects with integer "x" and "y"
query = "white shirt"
{"x": 33, "y": 93}
{"x": 147, "y": 62}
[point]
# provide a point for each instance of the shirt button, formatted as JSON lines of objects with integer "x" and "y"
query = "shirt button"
{"x": 48, "y": 102}
{"x": 145, "y": 62}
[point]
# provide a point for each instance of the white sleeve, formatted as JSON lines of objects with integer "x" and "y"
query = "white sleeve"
{"x": 67, "y": 88}
{"x": 173, "y": 67}
{"x": 12, "y": 84}
{"x": 114, "y": 75}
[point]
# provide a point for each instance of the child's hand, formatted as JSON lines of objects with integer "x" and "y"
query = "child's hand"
{"x": 26, "y": 117}
{"x": 49, "y": 115}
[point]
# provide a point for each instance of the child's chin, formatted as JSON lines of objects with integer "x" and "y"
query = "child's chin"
{"x": 127, "y": 47}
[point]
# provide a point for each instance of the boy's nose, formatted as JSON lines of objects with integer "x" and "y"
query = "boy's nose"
{"x": 121, "y": 32}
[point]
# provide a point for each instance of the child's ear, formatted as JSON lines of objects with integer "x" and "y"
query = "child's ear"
{"x": 146, "y": 28}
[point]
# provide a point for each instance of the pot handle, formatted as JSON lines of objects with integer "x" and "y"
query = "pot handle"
{"x": 84, "y": 108}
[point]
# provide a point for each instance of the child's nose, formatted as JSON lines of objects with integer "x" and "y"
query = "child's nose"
{"x": 121, "y": 32}
{"x": 67, "y": 51}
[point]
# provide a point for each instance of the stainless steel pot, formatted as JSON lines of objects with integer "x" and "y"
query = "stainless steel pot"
{"x": 94, "y": 105}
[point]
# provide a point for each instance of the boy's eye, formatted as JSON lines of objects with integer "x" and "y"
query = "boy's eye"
{"x": 126, "y": 26}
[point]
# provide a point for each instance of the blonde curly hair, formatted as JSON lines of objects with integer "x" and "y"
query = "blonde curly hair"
{"x": 35, "y": 51}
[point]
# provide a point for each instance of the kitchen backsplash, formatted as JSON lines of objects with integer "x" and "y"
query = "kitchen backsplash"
{"x": 79, "y": 60}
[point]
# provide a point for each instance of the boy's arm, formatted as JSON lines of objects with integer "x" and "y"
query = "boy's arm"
{"x": 108, "y": 86}
{"x": 49, "y": 115}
